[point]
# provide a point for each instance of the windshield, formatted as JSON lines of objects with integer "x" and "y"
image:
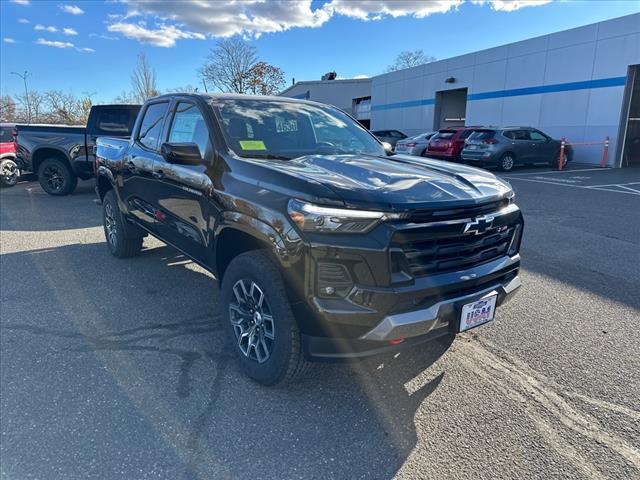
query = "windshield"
{"x": 285, "y": 130}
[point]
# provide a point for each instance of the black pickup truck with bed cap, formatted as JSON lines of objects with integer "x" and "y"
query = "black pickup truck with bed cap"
{"x": 324, "y": 244}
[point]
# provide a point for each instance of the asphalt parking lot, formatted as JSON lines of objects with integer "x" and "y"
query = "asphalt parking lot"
{"x": 117, "y": 368}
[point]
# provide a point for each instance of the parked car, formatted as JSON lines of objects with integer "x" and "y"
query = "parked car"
{"x": 9, "y": 172}
{"x": 507, "y": 147}
{"x": 416, "y": 145}
{"x": 321, "y": 251}
{"x": 390, "y": 136}
{"x": 448, "y": 143}
{"x": 61, "y": 154}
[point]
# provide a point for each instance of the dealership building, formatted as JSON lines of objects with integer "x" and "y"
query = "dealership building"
{"x": 582, "y": 84}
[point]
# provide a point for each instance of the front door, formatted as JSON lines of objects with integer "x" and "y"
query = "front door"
{"x": 544, "y": 149}
{"x": 137, "y": 169}
{"x": 182, "y": 191}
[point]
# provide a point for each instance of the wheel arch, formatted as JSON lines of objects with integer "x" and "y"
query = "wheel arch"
{"x": 241, "y": 233}
{"x": 41, "y": 154}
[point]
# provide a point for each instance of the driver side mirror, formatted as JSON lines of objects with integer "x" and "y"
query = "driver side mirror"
{"x": 181, "y": 153}
{"x": 388, "y": 149}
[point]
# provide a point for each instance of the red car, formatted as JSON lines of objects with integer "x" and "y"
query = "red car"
{"x": 9, "y": 172}
{"x": 449, "y": 142}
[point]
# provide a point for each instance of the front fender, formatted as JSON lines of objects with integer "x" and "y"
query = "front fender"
{"x": 284, "y": 241}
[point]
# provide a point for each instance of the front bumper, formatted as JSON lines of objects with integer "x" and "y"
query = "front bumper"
{"x": 427, "y": 310}
{"x": 443, "y": 313}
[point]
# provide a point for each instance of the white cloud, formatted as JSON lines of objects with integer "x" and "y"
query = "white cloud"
{"x": 9, "y": 40}
{"x": 511, "y": 5}
{"x": 56, "y": 44}
{"x": 23, "y": 20}
{"x": 72, "y": 9}
{"x": 163, "y": 36}
{"x": 182, "y": 19}
{"x": 377, "y": 9}
{"x": 21, "y": 2}
{"x": 85, "y": 50}
{"x": 69, "y": 31}
{"x": 51, "y": 28}
{"x": 358, "y": 77}
{"x": 104, "y": 37}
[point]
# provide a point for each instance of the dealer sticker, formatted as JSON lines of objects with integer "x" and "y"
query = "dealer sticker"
{"x": 478, "y": 312}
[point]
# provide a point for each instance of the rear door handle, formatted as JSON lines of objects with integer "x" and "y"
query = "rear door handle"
{"x": 159, "y": 174}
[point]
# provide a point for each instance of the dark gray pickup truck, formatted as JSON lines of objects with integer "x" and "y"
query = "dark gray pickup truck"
{"x": 60, "y": 154}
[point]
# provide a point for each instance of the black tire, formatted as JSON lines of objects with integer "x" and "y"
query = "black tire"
{"x": 123, "y": 240}
{"x": 507, "y": 162}
{"x": 282, "y": 360}
{"x": 56, "y": 177}
{"x": 9, "y": 173}
{"x": 556, "y": 161}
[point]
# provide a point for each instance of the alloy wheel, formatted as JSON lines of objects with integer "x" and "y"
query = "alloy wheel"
{"x": 252, "y": 320}
{"x": 507, "y": 162}
{"x": 9, "y": 172}
{"x": 54, "y": 177}
{"x": 110, "y": 224}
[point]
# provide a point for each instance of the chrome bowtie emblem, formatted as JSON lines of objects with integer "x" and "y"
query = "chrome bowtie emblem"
{"x": 479, "y": 225}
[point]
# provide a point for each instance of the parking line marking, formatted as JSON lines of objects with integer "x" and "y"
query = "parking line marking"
{"x": 629, "y": 188}
{"x": 574, "y": 186}
{"x": 614, "y": 184}
{"x": 564, "y": 171}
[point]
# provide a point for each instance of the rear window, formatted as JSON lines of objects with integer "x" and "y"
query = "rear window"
{"x": 6, "y": 134}
{"x": 116, "y": 121}
{"x": 482, "y": 135}
{"x": 447, "y": 134}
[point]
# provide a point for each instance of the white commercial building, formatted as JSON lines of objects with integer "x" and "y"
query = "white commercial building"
{"x": 582, "y": 84}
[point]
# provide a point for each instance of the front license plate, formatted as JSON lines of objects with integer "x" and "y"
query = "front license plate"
{"x": 478, "y": 312}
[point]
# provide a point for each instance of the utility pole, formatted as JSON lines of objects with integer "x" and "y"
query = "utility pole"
{"x": 24, "y": 76}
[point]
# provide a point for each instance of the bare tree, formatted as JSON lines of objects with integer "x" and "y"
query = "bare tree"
{"x": 143, "y": 80}
{"x": 227, "y": 66}
{"x": 409, "y": 59}
{"x": 7, "y": 109}
{"x": 265, "y": 79}
{"x": 35, "y": 102}
{"x": 185, "y": 89}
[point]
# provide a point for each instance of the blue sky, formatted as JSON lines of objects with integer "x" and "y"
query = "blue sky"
{"x": 90, "y": 46}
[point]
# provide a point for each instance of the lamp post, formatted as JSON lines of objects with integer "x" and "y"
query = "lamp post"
{"x": 24, "y": 76}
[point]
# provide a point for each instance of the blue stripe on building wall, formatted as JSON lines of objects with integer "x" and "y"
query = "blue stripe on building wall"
{"x": 515, "y": 92}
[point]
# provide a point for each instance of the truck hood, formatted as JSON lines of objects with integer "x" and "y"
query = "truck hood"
{"x": 397, "y": 182}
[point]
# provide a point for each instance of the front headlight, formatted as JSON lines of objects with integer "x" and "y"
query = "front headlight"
{"x": 315, "y": 218}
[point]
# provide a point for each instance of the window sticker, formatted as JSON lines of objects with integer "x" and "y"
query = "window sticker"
{"x": 283, "y": 125}
{"x": 252, "y": 145}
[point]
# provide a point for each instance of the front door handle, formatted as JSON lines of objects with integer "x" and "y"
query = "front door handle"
{"x": 159, "y": 174}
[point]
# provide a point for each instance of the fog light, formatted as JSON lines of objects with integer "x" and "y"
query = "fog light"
{"x": 334, "y": 280}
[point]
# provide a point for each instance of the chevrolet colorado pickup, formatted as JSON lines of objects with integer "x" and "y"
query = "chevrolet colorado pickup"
{"x": 324, "y": 245}
{"x": 60, "y": 154}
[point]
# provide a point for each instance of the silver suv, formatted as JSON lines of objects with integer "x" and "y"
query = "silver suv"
{"x": 510, "y": 146}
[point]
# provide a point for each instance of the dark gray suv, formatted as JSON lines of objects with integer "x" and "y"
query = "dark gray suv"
{"x": 510, "y": 146}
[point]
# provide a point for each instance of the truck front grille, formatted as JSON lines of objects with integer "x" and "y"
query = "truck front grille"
{"x": 441, "y": 247}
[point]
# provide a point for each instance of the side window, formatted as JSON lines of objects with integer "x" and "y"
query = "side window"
{"x": 509, "y": 134}
{"x": 151, "y": 127}
{"x": 518, "y": 135}
{"x": 188, "y": 126}
{"x": 537, "y": 136}
{"x": 6, "y": 134}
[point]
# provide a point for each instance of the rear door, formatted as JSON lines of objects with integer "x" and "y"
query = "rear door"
{"x": 181, "y": 191}
{"x": 137, "y": 169}
{"x": 521, "y": 145}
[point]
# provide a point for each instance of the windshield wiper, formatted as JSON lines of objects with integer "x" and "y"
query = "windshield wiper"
{"x": 268, "y": 156}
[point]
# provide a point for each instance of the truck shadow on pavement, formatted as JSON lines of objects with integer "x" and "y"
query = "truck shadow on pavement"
{"x": 151, "y": 323}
